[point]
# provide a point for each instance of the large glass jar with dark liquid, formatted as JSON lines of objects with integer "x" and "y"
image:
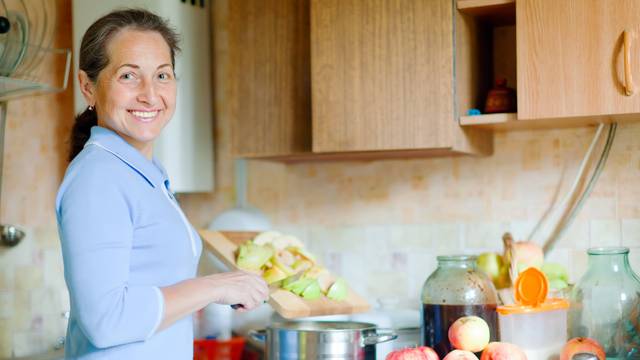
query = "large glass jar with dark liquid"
{"x": 456, "y": 289}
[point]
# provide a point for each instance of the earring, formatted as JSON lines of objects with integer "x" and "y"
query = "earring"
{"x": 90, "y": 108}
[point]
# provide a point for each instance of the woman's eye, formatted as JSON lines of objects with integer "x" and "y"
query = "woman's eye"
{"x": 127, "y": 76}
{"x": 164, "y": 76}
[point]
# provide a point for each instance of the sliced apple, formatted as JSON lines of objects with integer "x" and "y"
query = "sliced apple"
{"x": 338, "y": 291}
{"x": 253, "y": 257}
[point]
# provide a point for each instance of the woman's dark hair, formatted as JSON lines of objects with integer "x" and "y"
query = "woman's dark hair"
{"x": 94, "y": 57}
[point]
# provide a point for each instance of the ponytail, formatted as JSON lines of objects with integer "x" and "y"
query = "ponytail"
{"x": 82, "y": 131}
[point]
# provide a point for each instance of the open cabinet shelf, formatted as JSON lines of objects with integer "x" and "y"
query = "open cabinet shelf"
{"x": 485, "y": 51}
{"x": 490, "y": 121}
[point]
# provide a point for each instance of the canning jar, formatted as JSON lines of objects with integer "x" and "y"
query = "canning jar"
{"x": 605, "y": 303}
{"x": 456, "y": 289}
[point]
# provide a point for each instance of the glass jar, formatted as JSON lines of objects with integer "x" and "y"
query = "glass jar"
{"x": 605, "y": 303}
{"x": 456, "y": 289}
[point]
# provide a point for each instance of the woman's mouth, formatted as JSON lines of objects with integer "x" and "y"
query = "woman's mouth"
{"x": 144, "y": 116}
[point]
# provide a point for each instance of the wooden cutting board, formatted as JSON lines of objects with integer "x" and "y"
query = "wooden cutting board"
{"x": 287, "y": 304}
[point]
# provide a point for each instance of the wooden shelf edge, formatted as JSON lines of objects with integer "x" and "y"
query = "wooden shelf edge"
{"x": 472, "y": 5}
{"x": 497, "y": 12}
{"x": 363, "y": 155}
{"x": 488, "y": 119}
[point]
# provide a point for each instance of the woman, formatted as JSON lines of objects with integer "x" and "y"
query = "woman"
{"x": 130, "y": 255}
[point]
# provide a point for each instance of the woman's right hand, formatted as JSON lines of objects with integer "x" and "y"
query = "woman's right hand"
{"x": 239, "y": 287}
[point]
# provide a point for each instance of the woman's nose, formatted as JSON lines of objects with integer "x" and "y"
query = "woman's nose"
{"x": 148, "y": 93}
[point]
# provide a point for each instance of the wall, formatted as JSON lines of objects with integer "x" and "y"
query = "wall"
{"x": 404, "y": 212}
{"x": 32, "y": 291}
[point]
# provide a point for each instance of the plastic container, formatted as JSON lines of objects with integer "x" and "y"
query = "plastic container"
{"x": 535, "y": 324}
{"x": 211, "y": 349}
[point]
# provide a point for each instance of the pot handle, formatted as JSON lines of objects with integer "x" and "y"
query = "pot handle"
{"x": 258, "y": 335}
{"x": 380, "y": 336}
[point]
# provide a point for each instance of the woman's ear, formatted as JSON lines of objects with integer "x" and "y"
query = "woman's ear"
{"x": 87, "y": 87}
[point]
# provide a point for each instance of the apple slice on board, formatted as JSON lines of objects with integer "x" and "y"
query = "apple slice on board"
{"x": 289, "y": 305}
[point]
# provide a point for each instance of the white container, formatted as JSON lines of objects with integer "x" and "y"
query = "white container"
{"x": 540, "y": 331}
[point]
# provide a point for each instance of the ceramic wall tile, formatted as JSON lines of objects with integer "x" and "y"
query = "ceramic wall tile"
{"x": 605, "y": 233}
{"x": 631, "y": 232}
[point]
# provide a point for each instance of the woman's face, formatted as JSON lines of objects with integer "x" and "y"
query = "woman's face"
{"x": 135, "y": 94}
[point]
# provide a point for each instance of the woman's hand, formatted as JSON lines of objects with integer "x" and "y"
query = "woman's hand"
{"x": 239, "y": 287}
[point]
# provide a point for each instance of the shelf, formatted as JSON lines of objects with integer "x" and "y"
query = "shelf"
{"x": 497, "y": 12}
{"x": 483, "y": 4}
{"x": 29, "y": 70}
{"x": 489, "y": 121}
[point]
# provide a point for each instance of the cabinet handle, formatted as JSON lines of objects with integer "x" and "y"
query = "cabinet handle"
{"x": 628, "y": 81}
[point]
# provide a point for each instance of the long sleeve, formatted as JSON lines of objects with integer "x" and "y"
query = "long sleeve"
{"x": 96, "y": 230}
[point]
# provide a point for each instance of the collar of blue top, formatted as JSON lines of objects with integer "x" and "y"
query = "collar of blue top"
{"x": 109, "y": 140}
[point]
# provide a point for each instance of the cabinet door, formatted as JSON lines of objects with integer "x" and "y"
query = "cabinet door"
{"x": 268, "y": 77}
{"x": 570, "y": 57}
{"x": 382, "y": 74}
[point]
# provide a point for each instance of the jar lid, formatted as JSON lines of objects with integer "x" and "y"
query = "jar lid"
{"x": 549, "y": 305}
{"x": 531, "y": 287}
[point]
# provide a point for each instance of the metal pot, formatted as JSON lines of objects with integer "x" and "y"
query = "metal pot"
{"x": 308, "y": 340}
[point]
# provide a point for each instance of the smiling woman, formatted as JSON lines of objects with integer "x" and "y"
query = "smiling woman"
{"x": 136, "y": 91}
{"x": 130, "y": 254}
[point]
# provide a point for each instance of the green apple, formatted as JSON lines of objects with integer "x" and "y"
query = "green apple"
{"x": 496, "y": 268}
{"x": 312, "y": 291}
{"x": 557, "y": 275}
{"x": 252, "y": 256}
{"x": 338, "y": 291}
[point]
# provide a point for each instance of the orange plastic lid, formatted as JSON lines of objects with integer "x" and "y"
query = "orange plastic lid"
{"x": 531, "y": 287}
{"x": 549, "y": 305}
{"x": 530, "y": 292}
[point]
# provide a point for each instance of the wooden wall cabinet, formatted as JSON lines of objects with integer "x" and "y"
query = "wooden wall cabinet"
{"x": 345, "y": 79}
{"x": 571, "y": 58}
{"x": 269, "y": 94}
{"x": 382, "y": 77}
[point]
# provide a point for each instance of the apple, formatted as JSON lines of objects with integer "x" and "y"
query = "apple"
{"x": 556, "y": 274}
{"x": 496, "y": 268}
{"x": 582, "y": 345}
{"x": 419, "y": 353}
{"x": 527, "y": 254}
{"x": 460, "y": 355}
{"x": 469, "y": 333}
{"x": 502, "y": 351}
{"x": 406, "y": 354}
{"x": 429, "y": 352}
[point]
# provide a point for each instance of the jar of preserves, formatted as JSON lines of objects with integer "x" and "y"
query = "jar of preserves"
{"x": 454, "y": 290}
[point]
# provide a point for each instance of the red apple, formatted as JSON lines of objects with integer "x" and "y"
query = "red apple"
{"x": 460, "y": 355}
{"x": 407, "y": 354}
{"x": 502, "y": 351}
{"x": 527, "y": 254}
{"x": 469, "y": 333}
{"x": 429, "y": 352}
{"x": 582, "y": 345}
